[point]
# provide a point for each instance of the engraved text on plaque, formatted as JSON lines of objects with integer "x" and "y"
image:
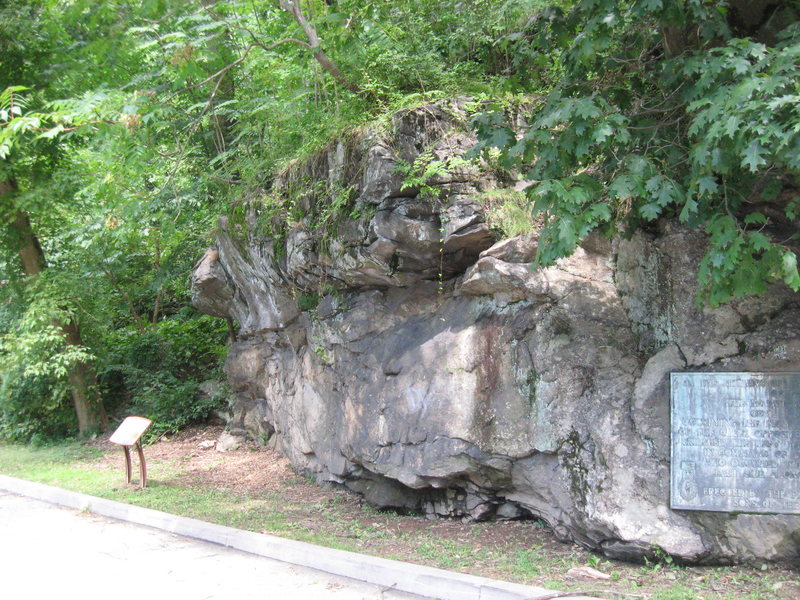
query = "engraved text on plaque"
{"x": 736, "y": 442}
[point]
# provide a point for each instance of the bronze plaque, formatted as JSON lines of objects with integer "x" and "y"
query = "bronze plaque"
{"x": 736, "y": 442}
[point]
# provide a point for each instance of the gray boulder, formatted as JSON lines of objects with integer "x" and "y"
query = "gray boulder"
{"x": 439, "y": 372}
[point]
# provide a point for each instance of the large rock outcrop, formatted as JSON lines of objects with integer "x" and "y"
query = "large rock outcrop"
{"x": 407, "y": 354}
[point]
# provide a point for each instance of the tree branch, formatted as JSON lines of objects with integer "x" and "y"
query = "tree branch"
{"x": 313, "y": 44}
{"x": 267, "y": 47}
{"x": 293, "y": 7}
{"x": 219, "y": 73}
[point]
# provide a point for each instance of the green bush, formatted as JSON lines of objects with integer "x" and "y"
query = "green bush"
{"x": 35, "y": 402}
{"x": 157, "y": 373}
{"x": 34, "y": 408}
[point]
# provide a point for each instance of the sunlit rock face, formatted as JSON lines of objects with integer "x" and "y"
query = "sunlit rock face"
{"x": 401, "y": 350}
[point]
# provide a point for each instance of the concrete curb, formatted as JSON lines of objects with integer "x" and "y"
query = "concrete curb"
{"x": 407, "y": 577}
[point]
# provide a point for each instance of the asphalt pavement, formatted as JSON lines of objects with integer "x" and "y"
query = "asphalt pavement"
{"x": 94, "y": 548}
{"x": 52, "y": 552}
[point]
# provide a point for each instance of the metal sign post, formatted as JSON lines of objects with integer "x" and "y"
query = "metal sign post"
{"x": 128, "y": 434}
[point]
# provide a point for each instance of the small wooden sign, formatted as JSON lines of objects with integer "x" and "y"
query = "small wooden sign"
{"x": 128, "y": 434}
{"x": 130, "y": 431}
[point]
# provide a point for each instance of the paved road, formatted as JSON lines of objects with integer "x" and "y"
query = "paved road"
{"x": 52, "y": 552}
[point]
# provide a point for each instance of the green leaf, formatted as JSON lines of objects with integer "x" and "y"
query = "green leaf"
{"x": 753, "y": 156}
{"x": 759, "y": 241}
{"x": 599, "y": 212}
{"x": 732, "y": 125}
{"x": 791, "y": 277}
{"x": 650, "y": 211}
{"x": 755, "y": 217}
{"x": 500, "y": 138}
{"x": 793, "y": 208}
{"x": 689, "y": 209}
{"x": 602, "y": 132}
{"x": 51, "y": 133}
{"x": 707, "y": 185}
{"x": 566, "y": 231}
{"x": 623, "y": 186}
{"x": 585, "y": 108}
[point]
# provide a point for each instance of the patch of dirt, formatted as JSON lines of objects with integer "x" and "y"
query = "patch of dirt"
{"x": 266, "y": 495}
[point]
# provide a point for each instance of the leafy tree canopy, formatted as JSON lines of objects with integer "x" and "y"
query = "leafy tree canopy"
{"x": 126, "y": 127}
{"x": 666, "y": 108}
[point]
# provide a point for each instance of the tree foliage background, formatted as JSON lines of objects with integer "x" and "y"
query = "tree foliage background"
{"x": 126, "y": 127}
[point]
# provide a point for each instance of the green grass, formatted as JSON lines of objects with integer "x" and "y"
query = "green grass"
{"x": 448, "y": 554}
{"x": 337, "y": 523}
{"x": 527, "y": 563}
{"x": 65, "y": 465}
{"x": 74, "y": 467}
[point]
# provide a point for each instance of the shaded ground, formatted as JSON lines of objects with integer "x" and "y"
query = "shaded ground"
{"x": 255, "y": 488}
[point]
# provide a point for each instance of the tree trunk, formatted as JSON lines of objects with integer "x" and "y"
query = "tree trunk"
{"x": 83, "y": 387}
{"x": 293, "y": 7}
{"x": 82, "y": 378}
